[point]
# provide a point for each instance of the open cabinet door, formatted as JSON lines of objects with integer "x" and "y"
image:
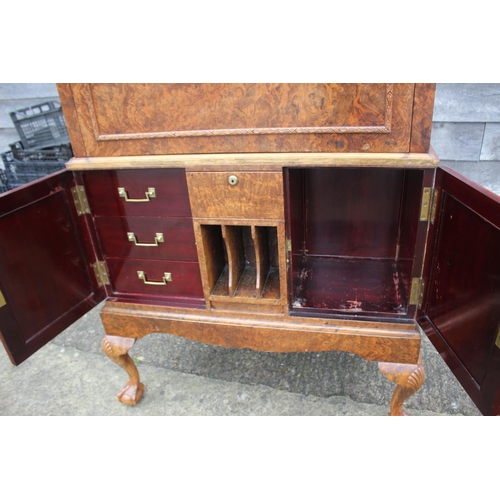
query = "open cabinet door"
{"x": 46, "y": 256}
{"x": 461, "y": 306}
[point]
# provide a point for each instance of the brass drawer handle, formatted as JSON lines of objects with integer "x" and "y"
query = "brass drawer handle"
{"x": 158, "y": 239}
{"x": 150, "y": 193}
{"x": 166, "y": 277}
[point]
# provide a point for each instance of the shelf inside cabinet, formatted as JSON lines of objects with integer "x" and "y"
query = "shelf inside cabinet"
{"x": 350, "y": 285}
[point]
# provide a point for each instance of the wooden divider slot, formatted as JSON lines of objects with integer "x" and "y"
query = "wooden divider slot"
{"x": 233, "y": 239}
{"x": 215, "y": 258}
{"x": 242, "y": 261}
{"x": 262, "y": 258}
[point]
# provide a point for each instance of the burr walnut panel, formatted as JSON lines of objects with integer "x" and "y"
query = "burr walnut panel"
{"x": 154, "y": 119}
{"x": 254, "y": 195}
{"x": 231, "y": 109}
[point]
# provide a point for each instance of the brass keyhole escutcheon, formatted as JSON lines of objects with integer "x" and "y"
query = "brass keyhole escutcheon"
{"x": 233, "y": 180}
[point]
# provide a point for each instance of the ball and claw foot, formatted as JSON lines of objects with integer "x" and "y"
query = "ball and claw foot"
{"x": 116, "y": 348}
{"x": 131, "y": 394}
{"x": 409, "y": 379}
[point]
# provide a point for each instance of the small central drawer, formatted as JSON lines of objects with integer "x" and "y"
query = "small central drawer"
{"x": 145, "y": 192}
{"x": 236, "y": 195}
{"x": 170, "y": 238}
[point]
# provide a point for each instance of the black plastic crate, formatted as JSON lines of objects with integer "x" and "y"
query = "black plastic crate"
{"x": 63, "y": 153}
{"x": 19, "y": 172}
{"x": 4, "y": 182}
{"x": 41, "y": 126}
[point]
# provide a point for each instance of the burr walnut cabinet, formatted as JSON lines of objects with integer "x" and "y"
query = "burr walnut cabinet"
{"x": 276, "y": 217}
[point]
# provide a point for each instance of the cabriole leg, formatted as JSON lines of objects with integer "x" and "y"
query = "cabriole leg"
{"x": 409, "y": 379}
{"x": 116, "y": 348}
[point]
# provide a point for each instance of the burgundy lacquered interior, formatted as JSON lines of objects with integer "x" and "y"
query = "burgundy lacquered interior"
{"x": 44, "y": 264}
{"x": 51, "y": 241}
{"x": 465, "y": 286}
{"x": 353, "y": 237}
{"x": 460, "y": 312}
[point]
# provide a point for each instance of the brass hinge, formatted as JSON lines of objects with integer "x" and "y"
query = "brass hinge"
{"x": 288, "y": 245}
{"x": 497, "y": 342}
{"x": 101, "y": 274}
{"x": 428, "y": 207}
{"x": 80, "y": 199}
{"x": 417, "y": 292}
{"x": 2, "y": 299}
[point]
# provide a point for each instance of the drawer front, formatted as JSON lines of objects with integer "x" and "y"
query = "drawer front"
{"x": 169, "y": 238}
{"x": 170, "y": 197}
{"x": 238, "y": 195}
{"x": 184, "y": 280}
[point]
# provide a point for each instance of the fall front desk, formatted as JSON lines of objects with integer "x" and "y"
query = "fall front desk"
{"x": 275, "y": 217}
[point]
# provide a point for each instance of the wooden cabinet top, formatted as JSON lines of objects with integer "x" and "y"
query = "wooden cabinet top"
{"x": 116, "y": 120}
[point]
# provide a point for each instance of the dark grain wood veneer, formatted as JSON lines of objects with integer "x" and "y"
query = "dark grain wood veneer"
{"x": 276, "y": 217}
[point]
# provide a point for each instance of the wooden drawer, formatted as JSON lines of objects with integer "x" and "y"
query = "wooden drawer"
{"x": 253, "y": 195}
{"x": 185, "y": 278}
{"x": 176, "y": 243}
{"x": 170, "y": 199}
